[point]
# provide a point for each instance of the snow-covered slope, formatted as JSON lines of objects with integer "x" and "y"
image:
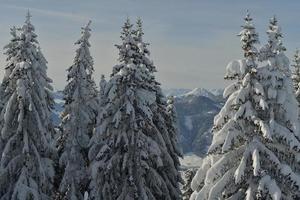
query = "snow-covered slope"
{"x": 213, "y": 94}
{"x": 190, "y": 161}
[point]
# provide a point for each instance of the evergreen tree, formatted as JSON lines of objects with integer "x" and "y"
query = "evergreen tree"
{"x": 78, "y": 119}
{"x": 10, "y": 51}
{"x": 186, "y": 188}
{"x": 26, "y": 165}
{"x": 273, "y": 51}
{"x": 165, "y": 119}
{"x": 143, "y": 52}
{"x": 296, "y": 74}
{"x": 255, "y": 150}
{"x": 172, "y": 128}
{"x": 39, "y": 62}
{"x": 129, "y": 155}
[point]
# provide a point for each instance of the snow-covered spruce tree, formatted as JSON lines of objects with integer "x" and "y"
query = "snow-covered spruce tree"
{"x": 26, "y": 165}
{"x": 78, "y": 121}
{"x": 164, "y": 119}
{"x": 186, "y": 188}
{"x": 273, "y": 51}
{"x": 172, "y": 129}
{"x": 128, "y": 153}
{"x": 255, "y": 151}
{"x": 10, "y": 51}
{"x": 296, "y": 74}
{"x": 36, "y": 57}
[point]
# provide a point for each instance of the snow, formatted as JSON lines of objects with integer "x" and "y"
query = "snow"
{"x": 28, "y": 151}
{"x": 190, "y": 161}
{"x": 136, "y": 130}
{"x": 199, "y": 92}
{"x": 265, "y": 129}
{"x": 255, "y": 135}
{"x": 59, "y": 101}
{"x": 240, "y": 171}
{"x": 216, "y": 92}
{"x": 78, "y": 119}
{"x": 218, "y": 187}
{"x": 233, "y": 87}
{"x": 249, "y": 194}
{"x": 235, "y": 68}
{"x": 267, "y": 183}
{"x": 255, "y": 162}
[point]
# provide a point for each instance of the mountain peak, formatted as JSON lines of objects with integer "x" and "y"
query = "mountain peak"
{"x": 199, "y": 92}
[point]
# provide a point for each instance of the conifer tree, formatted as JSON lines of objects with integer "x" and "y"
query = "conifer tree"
{"x": 172, "y": 128}
{"x": 26, "y": 164}
{"x": 78, "y": 119}
{"x": 164, "y": 119}
{"x": 296, "y": 74}
{"x": 38, "y": 61}
{"x": 255, "y": 149}
{"x": 10, "y": 51}
{"x": 186, "y": 188}
{"x": 129, "y": 155}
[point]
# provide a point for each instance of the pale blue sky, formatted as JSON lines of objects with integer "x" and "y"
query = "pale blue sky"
{"x": 191, "y": 40}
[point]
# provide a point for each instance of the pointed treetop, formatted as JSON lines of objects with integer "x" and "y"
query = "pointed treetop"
{"x": 273, "y": 20}
{"x": 28, "y": 27}
{"x": 296, "y": 59}
{"x": 248, "y": 17}
{"x": 28, "y": 17}
{"x": 127, "y": 27}
{"x": 275, "y": 35}
{"x": 127, "y": 22}
{"x": 139, "y": 21}
{"x": 13, "y": 31}
{"x": 249, "y": 37}
{"x": 85, "y": 34}
{"x": 127, "y": 19}
{"x": 87, "y": 26}
{"x": 248, "y": 21}
{"x": 139, "y": 27}
{"x": 274, "y": 27}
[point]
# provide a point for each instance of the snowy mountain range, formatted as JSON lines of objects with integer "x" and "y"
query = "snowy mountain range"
{"x": 210, "y": 93}
{"x": 195, "y": 111}
{"x": 58, "y": 107}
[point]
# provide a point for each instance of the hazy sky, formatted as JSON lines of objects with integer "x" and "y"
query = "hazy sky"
{"x": 191, "y": 40}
